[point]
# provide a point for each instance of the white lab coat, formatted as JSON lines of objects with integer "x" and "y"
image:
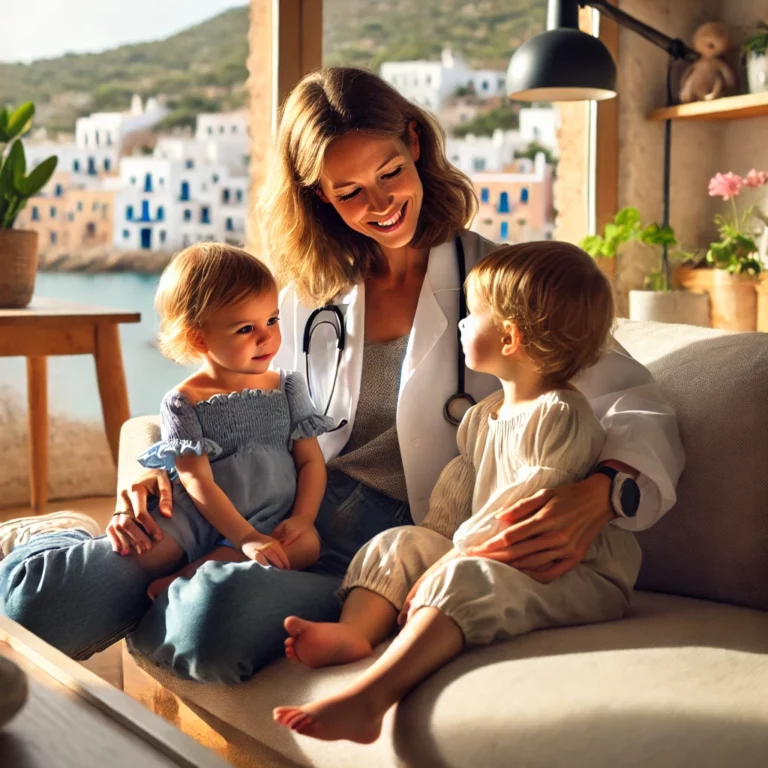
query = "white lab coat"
{"x": 641, "y": 428}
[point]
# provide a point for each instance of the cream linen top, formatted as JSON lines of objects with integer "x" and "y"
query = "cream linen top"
{"x": 551, "y": 441}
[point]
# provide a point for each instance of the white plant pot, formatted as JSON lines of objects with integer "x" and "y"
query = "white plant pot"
{"x": 670, "y": 307}
{"x": 757, "y": 72}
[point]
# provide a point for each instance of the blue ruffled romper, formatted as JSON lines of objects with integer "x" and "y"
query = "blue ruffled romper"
{"x": 248, "y": 437}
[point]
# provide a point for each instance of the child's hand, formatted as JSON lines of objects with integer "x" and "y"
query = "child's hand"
{"x": 291, "y": 530}
{"x": 267, "y": 551}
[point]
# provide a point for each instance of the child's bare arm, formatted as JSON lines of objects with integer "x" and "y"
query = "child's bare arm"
{"x": 214, "y": 505}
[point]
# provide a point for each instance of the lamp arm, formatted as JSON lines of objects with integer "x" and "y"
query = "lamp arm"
{"x": 673, "y": 46}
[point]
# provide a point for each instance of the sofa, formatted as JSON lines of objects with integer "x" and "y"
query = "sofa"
{"x": 682, "y": 681}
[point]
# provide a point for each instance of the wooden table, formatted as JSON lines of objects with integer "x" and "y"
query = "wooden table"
{"x": 73, "y": 719}
{"x": 53, "y": 327}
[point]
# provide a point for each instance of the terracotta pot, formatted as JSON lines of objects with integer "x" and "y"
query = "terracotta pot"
{"x": 734, "y": 301}
{"x": 762, "y": 302}
{"x": 670, "y": 307}
{"x": 18, "y": 266}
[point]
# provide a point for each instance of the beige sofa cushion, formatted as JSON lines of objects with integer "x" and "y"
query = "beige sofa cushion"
{"x": 680, "y": 682}
{"x": 714, "y": 542}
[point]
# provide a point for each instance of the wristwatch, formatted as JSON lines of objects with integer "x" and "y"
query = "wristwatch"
{"x": 625, "y": 492}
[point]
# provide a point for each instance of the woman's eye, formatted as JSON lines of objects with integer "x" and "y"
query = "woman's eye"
{"x": 344, "y": 198}
{"x": 394, "y": 173}
{"x": 245, "y": 329}
{"x": 273, "y": 321}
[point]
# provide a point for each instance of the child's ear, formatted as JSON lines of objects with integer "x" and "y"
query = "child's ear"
{"x": 197, "y": 342}
{"x": 511, "y": 338}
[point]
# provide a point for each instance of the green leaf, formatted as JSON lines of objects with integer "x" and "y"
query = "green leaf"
{"x": 20, "y": 119}
{"x": 627, "y": 217}
{"x": 591, "y": 244}
{"x": 39, "y": 177}
{"x": 3, "y": 124}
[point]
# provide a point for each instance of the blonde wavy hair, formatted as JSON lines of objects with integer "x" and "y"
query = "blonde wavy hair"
{"x": 555, "y": 295}
{"x": 307, "y": 241}
{"x": 199, "y": 281}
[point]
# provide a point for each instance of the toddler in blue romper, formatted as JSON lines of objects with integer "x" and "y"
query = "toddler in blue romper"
{"x": 248, "y": 437}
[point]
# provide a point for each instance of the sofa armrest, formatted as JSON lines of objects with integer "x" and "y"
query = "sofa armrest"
{"x": 135, "y": 437}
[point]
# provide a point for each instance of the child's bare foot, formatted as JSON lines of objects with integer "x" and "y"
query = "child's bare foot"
{"x": 345, "y": 716}
{"x": 158, "y": 586}
{"x": 322, "y": 644}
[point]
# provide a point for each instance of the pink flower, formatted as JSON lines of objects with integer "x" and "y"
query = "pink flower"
{"x": 726, "y": 185}
{"x": 756, "y": 178}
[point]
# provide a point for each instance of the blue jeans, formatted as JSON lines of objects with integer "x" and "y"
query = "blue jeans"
{"x": 222, "y": 625}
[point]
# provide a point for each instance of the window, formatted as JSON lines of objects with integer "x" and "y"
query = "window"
{"x": 215, "y": 178}
{"x": 184, "y": 191}
{"x": 91, "y": 166}
{"x": 148, "y": 182}
{"x": 162, "y": 235}
{"x": 129, "y": 212}
{"x": 54, "y": 238}
{"x": 524, "y": 195}
{"x": 504, "y": 230}
{"x": 53, "y": 211}
{"x": 187, "y": 214}
{"x": 160, "y": 213}
{"x": 205, "y": 215}
{"x": 485, "y": 85}
{"x": 221, "y": 129}
{"x": 59, "y": 190}
{"x": 230, "y": 225}
{"x": 225, "y": 196}
{"x": 109, "y": 139}
{"x": 132, "y": 180}
{"x": 485, "y": 195}
{"x": 189, "y": 164}
{"x": 107, "y": 164}
{"x": 126, "y": 234}
{"x": 94, "y": 207}
{"x": 210, "y": 130}
{"x": 239, "y": 195}
{"x": 35, "y": 213}
{"x": 504, "y": 202}
{"x": 90, "y": 229}
{"x": 161, "y": 181}
{"x": 234, "y": 129}
{"x": 79, "y": 205}
{"x": 478, "y": 163}
{"x": 76, "y": 166}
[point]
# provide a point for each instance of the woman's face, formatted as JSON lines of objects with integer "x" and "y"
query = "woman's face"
{"x": 374, "y": 186}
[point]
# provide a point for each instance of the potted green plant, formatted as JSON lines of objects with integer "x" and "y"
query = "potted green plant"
{"x": 754, "y": 50}
{"x": 657, "y": 302}
{"x": 735, "y": 254}
{"x": 18, "y": 248}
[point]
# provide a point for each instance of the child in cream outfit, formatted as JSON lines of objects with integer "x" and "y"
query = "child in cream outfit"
{"x": 539, "y": 314}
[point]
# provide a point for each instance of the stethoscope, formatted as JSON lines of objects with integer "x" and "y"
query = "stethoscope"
{"x": 336, "y": 321}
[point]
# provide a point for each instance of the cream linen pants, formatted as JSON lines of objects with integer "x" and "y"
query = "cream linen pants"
{"x": 491, "y": 601}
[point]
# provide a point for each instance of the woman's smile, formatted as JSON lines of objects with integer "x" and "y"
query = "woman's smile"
{"x": 393, "y": 222}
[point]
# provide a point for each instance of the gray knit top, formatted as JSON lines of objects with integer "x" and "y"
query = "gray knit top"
{"x": 372, "y": 453}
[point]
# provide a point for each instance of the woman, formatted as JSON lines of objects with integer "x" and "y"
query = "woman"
{"x": 361, "y": 209}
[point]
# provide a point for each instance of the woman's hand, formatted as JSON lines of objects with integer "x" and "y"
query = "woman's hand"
{"x": 550, "y": 532}
{"x": 124, "y": 529}
{"x": 266, "y": 551}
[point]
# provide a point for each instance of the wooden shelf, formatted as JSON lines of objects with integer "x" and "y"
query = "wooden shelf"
{"x": 726, "y": 108}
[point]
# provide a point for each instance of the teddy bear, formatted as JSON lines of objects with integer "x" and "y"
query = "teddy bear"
{"x": 708, "y": 77}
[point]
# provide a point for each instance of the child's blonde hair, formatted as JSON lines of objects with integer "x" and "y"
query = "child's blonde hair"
{"x": 197, "y": 282}
{"x": 555, "y": 295}
{"x": 308, "y": 242}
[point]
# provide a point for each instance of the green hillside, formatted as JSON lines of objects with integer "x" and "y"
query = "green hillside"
{"x": 203, "y": 68}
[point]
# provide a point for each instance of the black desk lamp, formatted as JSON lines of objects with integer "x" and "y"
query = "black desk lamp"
{"x": 565, "y": 64}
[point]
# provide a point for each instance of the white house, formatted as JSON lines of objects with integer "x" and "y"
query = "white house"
{"x": 184, "y": 193}
{"x": 430, "y": 83}
{"x": 108, "y": 129}
{"x": 540, "y": 124}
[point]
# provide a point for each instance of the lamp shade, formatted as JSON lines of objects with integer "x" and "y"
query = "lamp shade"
{"x": 562, "y": 65}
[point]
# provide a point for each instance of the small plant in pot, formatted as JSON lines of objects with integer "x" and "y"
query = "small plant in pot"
{"x": 18, "y": 248}
{"x": 735, "y": 254}
{"x": 604, "y": 248}
{"x": 658, "y": 302}
{"x": 755, "y": 51}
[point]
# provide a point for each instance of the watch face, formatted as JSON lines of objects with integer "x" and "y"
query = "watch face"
{"x": 629, "y": 496}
